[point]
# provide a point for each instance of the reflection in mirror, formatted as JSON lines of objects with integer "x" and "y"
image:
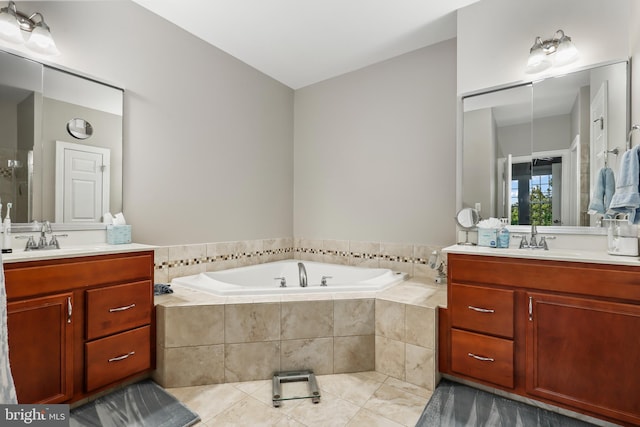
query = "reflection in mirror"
{"x": 37, "y": 102}
{"x": 578, "y": 120}
{"x": 21, "y": 109}
{"x": 497, "y": 130}
{"x": 79, "y": 128}
{"x": 548, "y": 155}
{"x": 80, "y": 181}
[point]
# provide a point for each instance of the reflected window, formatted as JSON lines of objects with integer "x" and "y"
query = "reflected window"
{"x": 532, "y": 192}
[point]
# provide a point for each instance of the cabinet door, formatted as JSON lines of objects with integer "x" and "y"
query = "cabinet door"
{"x": 584, "y": 353}
{"x": 41, "y": 348}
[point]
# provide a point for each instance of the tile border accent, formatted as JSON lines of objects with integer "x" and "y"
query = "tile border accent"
{"x": 185, "y": 260}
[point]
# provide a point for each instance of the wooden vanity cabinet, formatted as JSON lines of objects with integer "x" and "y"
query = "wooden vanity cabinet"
{"x": 561, "y": 332}
{"x": 79, "y": 325}
{"x": 41, "y": 348}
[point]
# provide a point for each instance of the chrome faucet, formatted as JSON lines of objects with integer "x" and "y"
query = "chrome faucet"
{"x": 303, "y": 275}
{"x": 45, "y": 228}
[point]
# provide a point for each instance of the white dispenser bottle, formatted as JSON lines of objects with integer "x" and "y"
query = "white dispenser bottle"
{"x": 6, "y": 240}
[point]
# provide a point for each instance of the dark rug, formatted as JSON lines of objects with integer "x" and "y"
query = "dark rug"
{"x": 143, "y": 404}
{"x": 454, "y": 404}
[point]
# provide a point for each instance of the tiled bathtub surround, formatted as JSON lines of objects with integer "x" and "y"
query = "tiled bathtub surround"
{"x": 185, "y": 260}
{"x": 205, "y": 339}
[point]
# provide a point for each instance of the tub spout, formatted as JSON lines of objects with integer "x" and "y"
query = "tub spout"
{"x": 303, "y": 275}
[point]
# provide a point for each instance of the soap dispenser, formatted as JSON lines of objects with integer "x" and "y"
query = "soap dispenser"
{"x": 6, "y": 240}
{"x": 503, "y": 237}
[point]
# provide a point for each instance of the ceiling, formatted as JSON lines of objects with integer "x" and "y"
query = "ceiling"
{"x": 301, "y": 42}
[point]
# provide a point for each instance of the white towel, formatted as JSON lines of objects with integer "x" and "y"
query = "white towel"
{"x": 7, "y": 388}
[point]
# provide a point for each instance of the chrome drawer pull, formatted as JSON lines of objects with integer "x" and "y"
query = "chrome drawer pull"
{"x": 126, "y": 307}
{"x": 480, "y": 358}
{"x": 482, "y": 310}
{"x": 124, "y": 356}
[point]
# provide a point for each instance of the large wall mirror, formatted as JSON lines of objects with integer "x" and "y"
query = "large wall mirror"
{"x": 60, "y": 145}
{"x": 531, "y": 153}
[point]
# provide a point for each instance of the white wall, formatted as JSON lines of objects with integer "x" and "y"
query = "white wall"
{"x": 494, "y": 36}
{"x": 634, "y": 53}
{"x": 479, "y": 161}
{"x": 374, "y": 152}
{"x": 208, "y": 140}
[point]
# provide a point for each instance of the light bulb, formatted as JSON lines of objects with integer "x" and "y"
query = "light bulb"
{"x": 9, "y": 28}
{"x": 42, "y": 42}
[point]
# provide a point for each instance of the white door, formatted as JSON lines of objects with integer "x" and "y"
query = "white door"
{"x": 82, "y": 182}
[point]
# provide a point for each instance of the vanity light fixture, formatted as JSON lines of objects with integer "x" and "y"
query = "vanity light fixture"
{"x": 13, "y": 23}
{"x": 557, "y": 51}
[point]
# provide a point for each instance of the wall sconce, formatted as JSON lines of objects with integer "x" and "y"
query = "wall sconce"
{"x": 557, "y": 51}
{"x": 13, "y": 23}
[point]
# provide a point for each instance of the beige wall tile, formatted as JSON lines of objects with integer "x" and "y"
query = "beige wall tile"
{"x": 390, "y": 358}
{"x": 354, "y": 317}
{"x": 420, "y": 326}
{"x": 354, "y": 354}
{"x": 161, "y": 265}
{"x": 186, "y": 260}
{"x": 307, "y": 319}
{"x": 336, "y": 251}
{"x": 249, "y": 252}
{"x": 191, "y": 325}
{"x": 390, "y": 318}
{"x": 251, "y": 322}
{"x": 420, "y": 366}
{"x": 364, "y": 254}
{"x": 188, "y": 366}
{"x": 251, "y": 361}
{"x": 314, "y": 353}
{"x": 402, "y": 250}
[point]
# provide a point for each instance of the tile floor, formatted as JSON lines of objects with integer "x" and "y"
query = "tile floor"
{"x": 360, "y": 399}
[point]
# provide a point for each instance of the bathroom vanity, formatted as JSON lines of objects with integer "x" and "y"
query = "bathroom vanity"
{"x": 556, "y": 330}
{"x": 79, "y": 324}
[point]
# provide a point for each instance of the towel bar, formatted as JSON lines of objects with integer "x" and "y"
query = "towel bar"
{"x": 634, "y": 127}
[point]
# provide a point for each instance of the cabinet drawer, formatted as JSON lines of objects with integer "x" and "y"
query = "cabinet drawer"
{"x": 483, "y": 357}
{"x": 118, "y": 308}
{"x": 26, "y": 279}
{"x": 116, "y": 357}
{"x": 482, "y": 309}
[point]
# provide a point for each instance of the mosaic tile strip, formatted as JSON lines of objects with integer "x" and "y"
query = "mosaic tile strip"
{"x": 219, "y": 258}
{"x": 308, "y": 251}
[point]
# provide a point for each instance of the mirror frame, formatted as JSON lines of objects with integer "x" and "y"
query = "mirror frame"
{"x": 526, "y": 229}
{"x": 35, "y": 225}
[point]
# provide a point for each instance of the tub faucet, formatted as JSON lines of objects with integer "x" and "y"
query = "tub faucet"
{"x": 303, "y": 275}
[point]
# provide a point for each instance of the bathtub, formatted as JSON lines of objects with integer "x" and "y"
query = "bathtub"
{"x": 265, "y": 279}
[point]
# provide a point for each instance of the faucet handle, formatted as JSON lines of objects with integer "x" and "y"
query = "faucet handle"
{"x": 323, "y": 281}
{"x": 54, "y": 240}
{"x": 283, "y": 281}
{"x": 523, "y": 242}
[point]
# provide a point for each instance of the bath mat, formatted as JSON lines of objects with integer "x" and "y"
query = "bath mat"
{"x": 454, "y": 404}
{"x": 143, "y": 404}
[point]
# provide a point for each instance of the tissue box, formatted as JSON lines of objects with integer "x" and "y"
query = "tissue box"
{"x": 118, "y": 234}
{"x": 487, "y": 237}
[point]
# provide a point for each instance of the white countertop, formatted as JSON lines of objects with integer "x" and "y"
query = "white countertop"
{"x": 73, "y": 251}
{"x": 573, "y": 255}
